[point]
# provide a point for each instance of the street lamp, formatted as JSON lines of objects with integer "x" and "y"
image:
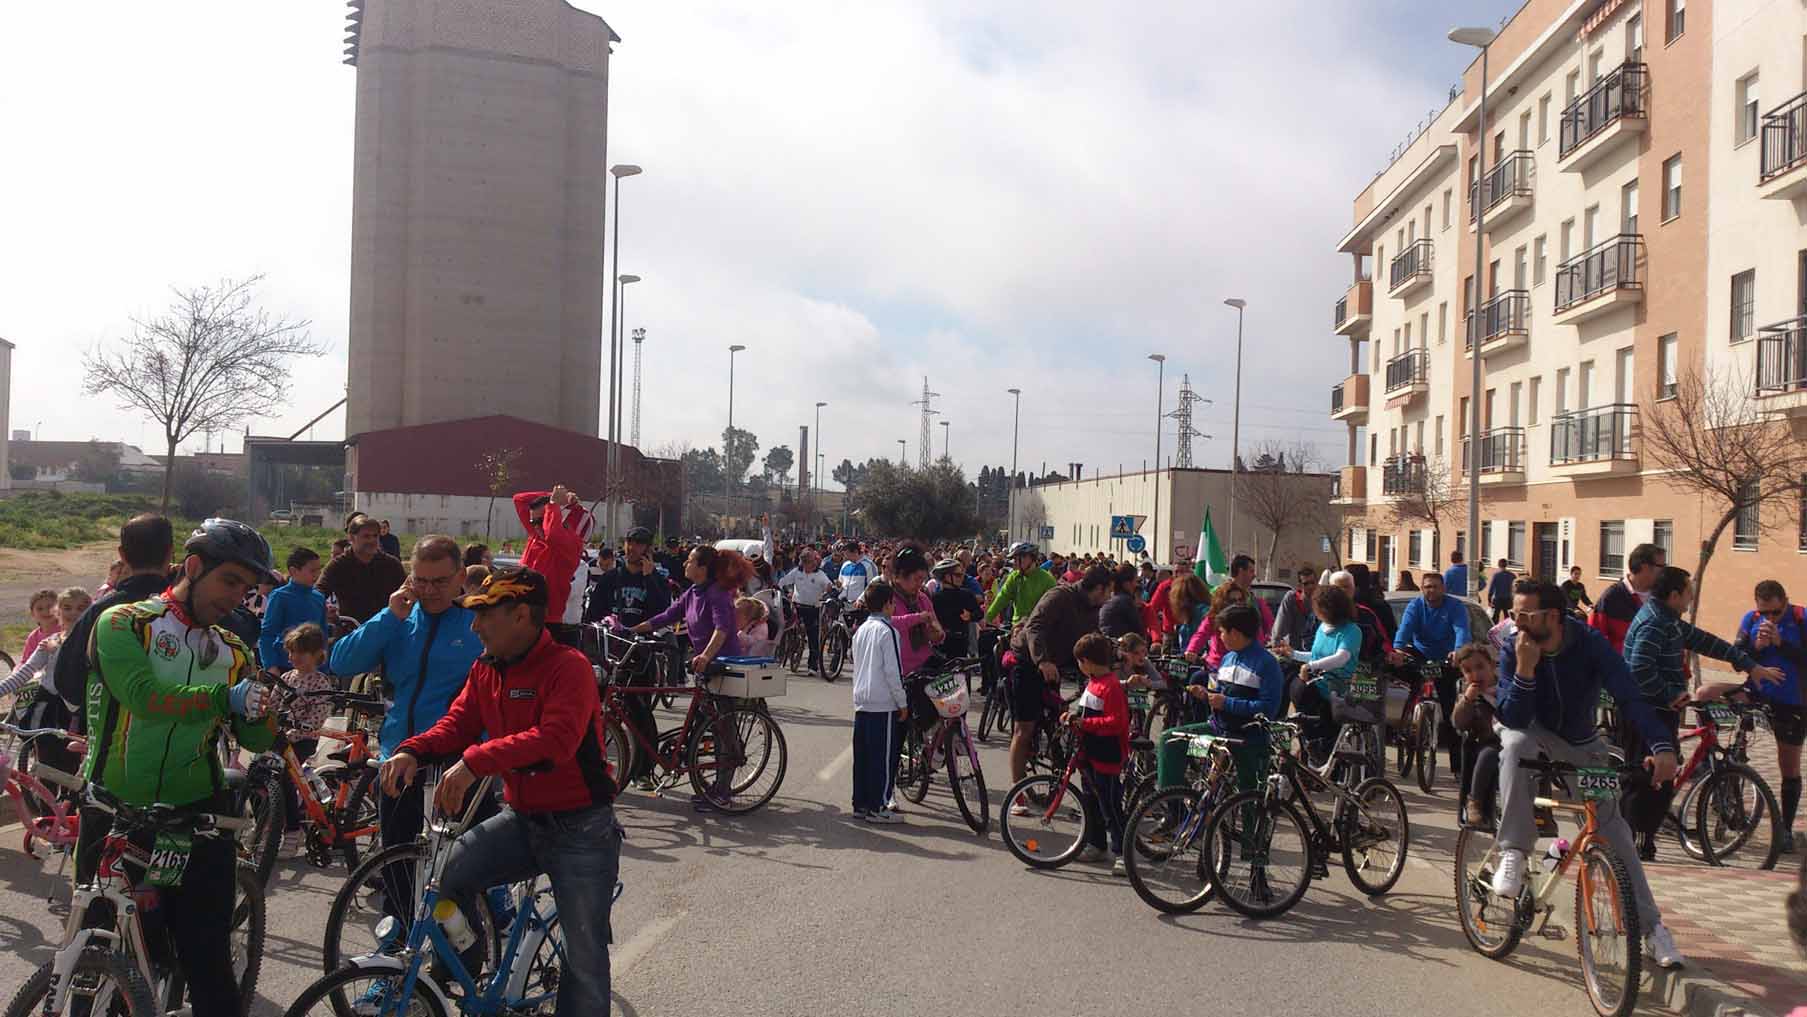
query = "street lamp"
{"x": 1015, "y": 426}
{"x": 727, "y": 481}
{"x": 614, "y": 430}
{"x": 903, "y": 458}
{"x": 1480, "y": 38}
{"x": 613, "y": 502}
{"x": 946, "y": 430}
{"x": 1160, "y": 390}
{"x": 817, "y": 486}
{"x": 1236, "y": 420}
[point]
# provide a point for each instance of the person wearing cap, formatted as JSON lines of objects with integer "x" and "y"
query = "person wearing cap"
{"x": 672, "y": 561}
{"x": 807, "y": 585}
{"x": 556, "y": 526}
{"x": 529, "y": 714}
{"x": 955, "y": 607}
{"x": 631, "y": 593}
{"x": 362, "y": 580}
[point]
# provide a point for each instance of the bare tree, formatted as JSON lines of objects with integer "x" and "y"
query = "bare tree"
{"x": 497, "y": 468}
{"x": 211, "y": 362}
{"x": 1276, "y": 495}
{"x": 1714, "y": 441}
{"x": 1430, "y": 495}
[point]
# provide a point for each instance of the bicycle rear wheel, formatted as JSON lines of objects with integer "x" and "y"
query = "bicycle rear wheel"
{"x": 913, "y": 764}
{"x": 1607, "y": 933}
{"x": 264, "y": 801}
{"x": 1376, "y": 836}
{"x": 1054, "y": 829}
{"x": 743, "y": 775}
{"x": 103, "y": 984}
{"x": 967, "y": 780}
{"x": 1426, "y": 738}
{"x": 331, "y": 995}
{"x": 1259, "y": 854}
{"x": 1737, "y": 819}
{"x": 1163, "y": 851}
{"x": 618, "y": 751}
{"x": 1491, "y": 924}
{"x": 834, "y": 653}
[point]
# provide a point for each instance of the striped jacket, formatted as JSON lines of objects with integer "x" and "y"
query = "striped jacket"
{"x": 1655, "y": 643}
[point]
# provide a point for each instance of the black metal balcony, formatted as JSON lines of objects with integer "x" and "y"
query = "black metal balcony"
{"x": 1409, "y": 368}
{"x": 1782, "y": 357}
{"x": 1336, "y": 399}
{"x": 1607, "y": 266}
{"x": 1507, "y": 314}
{"x": 1342, "y": 312}
{"x": 1402, "y": 475}
{"x": 1623, "y": 93}
{"x": 1594, "y": 434}
{"x": 1502, "y": 450}
{"x": 1409, "y": 264}
{"x": 1509, "y": 178}
{"x": 1784, "y": 138}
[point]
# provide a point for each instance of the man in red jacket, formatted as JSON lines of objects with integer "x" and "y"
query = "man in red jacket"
{"x": 556, "y": 525}
{"x": 1618, "y": 604}
{"x": 536, "y": 701}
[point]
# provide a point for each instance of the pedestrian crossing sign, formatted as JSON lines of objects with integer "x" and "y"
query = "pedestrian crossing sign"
{"x": 1124, "y": 527}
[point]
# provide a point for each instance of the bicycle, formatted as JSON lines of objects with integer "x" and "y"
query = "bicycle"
{"x": 999, "y": 715}
{"x": 949, "y": 739}
{"x": 527, "y": 970}
{"x": 42, "y": 815}
{"x": 1163, "y": 836}
{"x": 1263, "y": 831}
{"x": 117, "y": 967}
{"x": 1607, "y": 924}
{"x": 1732, "y": 804}
{"x": 837, "y": 638}
{"x": 1413, "y": 732}
{"x": 1061, "y": 816}
{"x": 791, "y": 642}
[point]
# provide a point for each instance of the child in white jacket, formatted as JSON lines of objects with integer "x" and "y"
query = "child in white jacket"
{"x": 879, "y": 707}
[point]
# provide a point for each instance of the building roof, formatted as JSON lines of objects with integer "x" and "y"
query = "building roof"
{"x": 60, "y": 455}
{"x": 442, "y": 458}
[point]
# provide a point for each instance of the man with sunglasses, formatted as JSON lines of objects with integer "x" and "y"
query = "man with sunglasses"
{"x": 1776, "y": 634}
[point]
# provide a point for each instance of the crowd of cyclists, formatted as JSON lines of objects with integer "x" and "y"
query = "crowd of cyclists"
{"x": 488, "y": 669}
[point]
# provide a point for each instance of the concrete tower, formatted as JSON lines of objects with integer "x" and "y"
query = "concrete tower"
{"x": 477, "y": 212}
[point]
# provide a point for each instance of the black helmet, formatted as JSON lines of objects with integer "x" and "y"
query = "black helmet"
{"x": 908, "y": 560}
{"x": 1020, "y": 548}
{"x": 219, "y": 541}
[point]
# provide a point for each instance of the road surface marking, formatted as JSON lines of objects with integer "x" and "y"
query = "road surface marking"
{"x": 835, "y": 765}
{"x": 642, "y": 942}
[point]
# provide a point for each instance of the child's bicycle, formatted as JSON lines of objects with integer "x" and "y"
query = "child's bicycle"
{"x": 1163, "y": 838}
{"x": 1061, "y": 812}
{"x": 948, "y": 690}
{"x": 1609, "y": 937}
{"x": 42, "y": 815}
{"x": 115, "y": 959}
{"x": 526, "y": 972}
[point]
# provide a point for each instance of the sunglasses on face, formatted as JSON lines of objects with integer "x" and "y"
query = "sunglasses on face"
{"x": 1524, "y": 616}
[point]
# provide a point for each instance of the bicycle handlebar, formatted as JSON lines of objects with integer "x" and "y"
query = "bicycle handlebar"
{"x": 33, "y": 732}
{"x": 157, "y": 814}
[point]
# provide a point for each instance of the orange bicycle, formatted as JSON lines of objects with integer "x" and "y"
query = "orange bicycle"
{"x": 1608, "y": 934}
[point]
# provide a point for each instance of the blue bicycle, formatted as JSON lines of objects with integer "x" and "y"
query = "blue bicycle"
{"x": 426, "y": 977}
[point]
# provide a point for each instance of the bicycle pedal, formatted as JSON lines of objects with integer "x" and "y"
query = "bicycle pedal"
{"x": 1553, "y": 932}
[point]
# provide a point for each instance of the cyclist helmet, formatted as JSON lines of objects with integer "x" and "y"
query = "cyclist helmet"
{"x": 1020, "y": 548}
{"x": 943, "y": 567}
{"x": 908, "y": 560}
{"x": 222, "y": 541}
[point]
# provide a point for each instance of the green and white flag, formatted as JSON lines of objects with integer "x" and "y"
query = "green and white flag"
{"x": 1211, "y": 565}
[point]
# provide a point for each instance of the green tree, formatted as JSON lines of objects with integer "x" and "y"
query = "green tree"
{"x": 778, "y": 462}
{"x": 497, "y": 468}
{"x": 929, "y": 504}
{"x": 739, "y": 447}
{"x": 702, "y": 471}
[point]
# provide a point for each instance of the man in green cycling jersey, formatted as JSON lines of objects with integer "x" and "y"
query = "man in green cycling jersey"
{"x": 1022, "y": 589}
{"x": 165, "y": 679}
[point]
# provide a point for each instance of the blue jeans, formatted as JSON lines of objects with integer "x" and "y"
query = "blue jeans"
{"x": 580, "y": 853}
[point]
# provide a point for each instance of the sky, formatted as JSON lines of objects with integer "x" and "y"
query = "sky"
{"x": 988, "y": 193}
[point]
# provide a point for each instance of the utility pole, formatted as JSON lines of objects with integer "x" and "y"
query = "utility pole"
{"x": 924, "y": 443}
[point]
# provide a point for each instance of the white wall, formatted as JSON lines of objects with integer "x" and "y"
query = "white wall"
{"x": 456, "y": 515}
{"x": 6, "y": 399}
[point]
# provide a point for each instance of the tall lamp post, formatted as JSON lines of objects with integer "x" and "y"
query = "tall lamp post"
{"x": 727, "y": 480}
{"x": 614, "y": 431}
{"x": 1160, "y": 390}
{"x": 1480, "y": 38}
{"x": 946, "y": 430}
{"x": 615, "y": 407}
{"x": 1236, "y": 420}
{"x": 1015, "y": 428}
{"x": 816, "y": 487}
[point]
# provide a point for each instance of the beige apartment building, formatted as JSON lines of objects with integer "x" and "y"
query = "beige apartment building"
{"x": 1641, "y": 216}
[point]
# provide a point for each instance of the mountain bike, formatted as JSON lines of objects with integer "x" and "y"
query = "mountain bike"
{"x": 1263, "y": 853}
{"x": 1609, "y": 935}
{"x": 115, "y": 960}
{"x": 837, "y": 638}
{"x": 999, "y": 715}
{"x": 1413, "y": 732}
{"x": 1163, "y": 838}
{"x": 948, "y": 690}
{"x": 1728, "y": 816}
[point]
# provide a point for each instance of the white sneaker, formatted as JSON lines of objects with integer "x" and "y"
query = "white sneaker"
{"x": 1019, "y": 809}
{"x": 1509, "y": 878}
{"x": 291, "y": 844}
{"x": 1660, "y": 947}
{"x": 1119, "y": 867}
{"x": 883, "y": 816}
{"x": 1090, "y": 853}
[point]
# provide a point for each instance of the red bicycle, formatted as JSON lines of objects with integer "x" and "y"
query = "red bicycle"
{"x": 1729, "y": 816}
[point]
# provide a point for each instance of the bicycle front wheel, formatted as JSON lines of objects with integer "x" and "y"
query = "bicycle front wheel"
{"x": 102, "y": 983}
{"x": 967, "y": 780}
{"x": 381, "y": 885}
{"x": 1163, "y": 842}
{"x": 1258, "y": 853}
{"x": 618, "y": 750}
{"x": 1737, "y": 820}
{"x": 377, "y": 992}
{"x": 913, "y": 767}
{"x": 1426, "y": 739}
{"x": 1607, "y": 932}
{"x": 264, "y": 801}
{"x": 737, "y": 760}
{"x": 1490, "y": 923}
{"x": 1045, "y": 820}
{"x": 834, "y": 653}
{"x": 1375, "y": 835}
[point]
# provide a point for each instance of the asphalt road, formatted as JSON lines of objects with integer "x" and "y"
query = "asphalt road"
{"x": 798, "y": 910}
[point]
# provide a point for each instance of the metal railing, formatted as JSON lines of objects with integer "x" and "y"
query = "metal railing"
{"x": 1510, "y": 177}
{"x": 1784, "y": 138}
{"x": 1402, "y": 475}
{"x": 1506, "y": 314}
{"x": 1410, "y": 263}
{"x": 1782, "y": 357}
{"x": 1593, "y": 434}
{"x": 1502, "y": 450}
{"x": 1342, "y": 311}
{"x": 1609, "y": 265}
{"x": 1623, "y": 93}
{"x": 1336, "y": 398}
{"x": 1409, "y": 368}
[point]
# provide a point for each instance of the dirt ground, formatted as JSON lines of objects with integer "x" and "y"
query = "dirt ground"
{"x": 23, "y": 572}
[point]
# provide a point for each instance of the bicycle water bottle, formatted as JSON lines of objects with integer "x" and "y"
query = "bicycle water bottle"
{"x": 452, "y": 920}
{"x": 1553, "y": 857}
{"x": 315, "y": 781}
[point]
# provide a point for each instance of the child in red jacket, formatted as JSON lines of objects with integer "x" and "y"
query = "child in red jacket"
{"x": 1102, "y": 718}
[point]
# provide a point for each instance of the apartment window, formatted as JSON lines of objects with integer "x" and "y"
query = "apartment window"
{"x": 1373, "y": 448}
{"x": 1744, "y": 300}
{"x": 1518, "y": 268}
{"x": 1562, "y": 390}
{"x": 1515, "y": 545}
{"x": 1612, "y": 547}
{"x": 1448, "y": 196}
{"x": 1531, "y": 394}
{"x": 1440, "y": 452}
{"x": 1543, "y": 119}
{"x": 1353, "y": 531}
{"x": 1565, "y": 244}
{"x": 1672, "y": 187}
{"x": 1662, "y": 534}
{"x": 1594, "y": 61}
{"x": 1584, "y": 389}
{"x": 1427, "y": 218}
{"x": 1442, "y": 322}
{"x": 1373, "y": 537}
{"x": 1801, "y": 544}
{"x": 1418, "y": 444}
{"x": 1400, "y": 238}
{"x": 1677, "y": 21}
{"x": 1408, "y": 339}
{"x": 1462, "y": 544}
{"x": 1665, "y": 366}
{"x": 1628, "y": 209}
{"x": 1462, "y": 419}
{"x": 1540, "y": 259}
{"x": 1570, "y": 86}
{"x": 1590, "y": 227}
{"x": 1415, "y": 547}
{"x": 1746, "y": 115}
{"x": 1518, "y": 393}
{"x": 1744, "y": 528}
{"x": 1424, "y": 329}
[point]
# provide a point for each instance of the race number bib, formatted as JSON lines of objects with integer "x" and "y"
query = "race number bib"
{"x": 1138, "y": 700}
{"x": 1363, "y": 689}
{"x": 169, "y": 859}
{"x": 944, "y": 687}
{"x": 1597, "y": 783}
{"x": 1721, "y": 714}
{"x": 1200, "y": 746}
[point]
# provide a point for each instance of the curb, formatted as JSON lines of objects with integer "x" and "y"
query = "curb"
{"x": 1694, "y": 991}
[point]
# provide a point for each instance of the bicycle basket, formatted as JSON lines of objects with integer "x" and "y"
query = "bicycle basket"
{"x": 948, "y": 694}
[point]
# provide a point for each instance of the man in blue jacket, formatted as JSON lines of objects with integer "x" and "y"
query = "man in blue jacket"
{"x": 295, "y": 602}
{"x": 1551, "y": 673}
{"x": 1434, "y": 625}
{"x": 424, "y": 644}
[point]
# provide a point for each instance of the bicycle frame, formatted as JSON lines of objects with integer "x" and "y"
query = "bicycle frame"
{"x": 316, "y": 812}
{"x": 1543, "y": 887}
{"x": 62, "y": 826}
